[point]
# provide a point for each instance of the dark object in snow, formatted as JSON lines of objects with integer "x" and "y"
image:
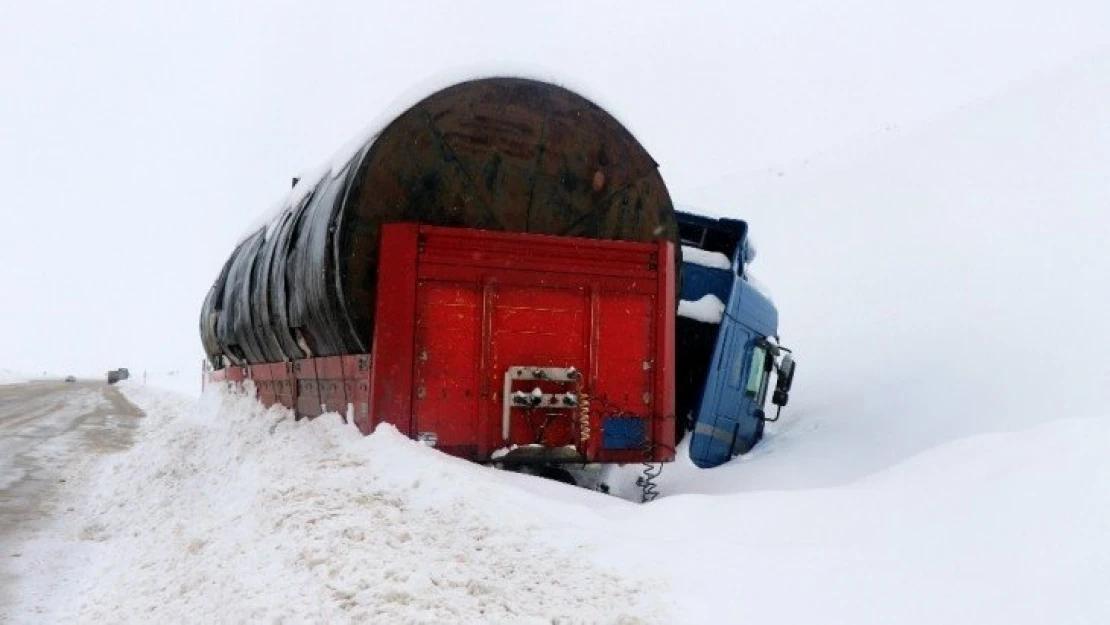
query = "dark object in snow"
{"x": 117, "y": 375}
{"x": 70, "y": 378}
{"x": 505, "y": 154}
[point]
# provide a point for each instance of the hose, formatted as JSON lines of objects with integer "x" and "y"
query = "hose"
{"x": 648, "y": 487}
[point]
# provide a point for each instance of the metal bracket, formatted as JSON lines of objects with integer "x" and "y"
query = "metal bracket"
{"x": 532, "y": 399}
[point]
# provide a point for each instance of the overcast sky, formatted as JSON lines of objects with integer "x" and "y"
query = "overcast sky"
{"x": 137, "y": 141}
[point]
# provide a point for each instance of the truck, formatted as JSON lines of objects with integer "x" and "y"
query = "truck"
{"x": 728, "y": 348}
{"x": 118, "y": 374}
{"x": 499, "y": 272}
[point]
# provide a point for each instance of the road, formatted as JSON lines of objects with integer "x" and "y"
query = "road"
{"x": 45, "y": 429}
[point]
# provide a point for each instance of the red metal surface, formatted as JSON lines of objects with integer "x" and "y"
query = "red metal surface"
{"x": 463, "y": 306}
{"x": 485, "y": 301}
{"x": 307, "y": 402}
{"x": 330, "y": 382}
{"x": 356, "y": 380}
{"x": 391, "y": 366}
{"x": 664, "y": 425}
{"x": 235, "y": 375}
{"x": 285, "y": 386}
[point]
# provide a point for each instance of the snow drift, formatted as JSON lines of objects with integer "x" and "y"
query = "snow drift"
{"x": 225, "y": 512}
{"x": 938, "y": 283}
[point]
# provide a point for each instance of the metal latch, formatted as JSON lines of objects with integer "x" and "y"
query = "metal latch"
{"x": 535, "y": 397}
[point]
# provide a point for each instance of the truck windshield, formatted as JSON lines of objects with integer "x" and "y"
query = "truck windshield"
{"x": 711, "y": 235}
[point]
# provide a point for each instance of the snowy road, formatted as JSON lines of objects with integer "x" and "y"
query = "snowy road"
{"x": 46, "y": 430}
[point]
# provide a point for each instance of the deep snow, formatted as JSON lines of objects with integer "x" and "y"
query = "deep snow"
{"x": 937, "y": 283}
{"x": 225, "y": 512}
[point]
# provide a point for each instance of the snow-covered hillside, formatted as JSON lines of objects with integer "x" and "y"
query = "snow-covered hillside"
{"x": 943, "y": 460}
{"x": 937, "y": 282}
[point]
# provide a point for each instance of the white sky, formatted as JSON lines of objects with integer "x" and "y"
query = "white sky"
{"x": 137, "y": 141}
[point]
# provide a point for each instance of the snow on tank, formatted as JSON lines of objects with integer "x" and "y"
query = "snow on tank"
{"x": 501, "y": 153}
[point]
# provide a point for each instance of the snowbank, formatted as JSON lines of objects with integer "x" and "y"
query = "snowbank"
{"x": 999, "y": 528}
{"x": 224, "y": 512}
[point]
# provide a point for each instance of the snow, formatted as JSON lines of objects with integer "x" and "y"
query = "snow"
{"x": 244, "y": 514}
{"x": 708, "y": 309}
{"x": 248, "y": 515}
{"x": 8, "y": 376}
{"x": 184, "y": 380}
{"x": 942, "y": 459}
{"x": 942, "y": 285}
{"x": 997, "y": 528}
{"x": 698, "y": 256}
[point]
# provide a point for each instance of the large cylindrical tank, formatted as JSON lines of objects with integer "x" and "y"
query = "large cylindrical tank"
{"x": 508, "y": 154}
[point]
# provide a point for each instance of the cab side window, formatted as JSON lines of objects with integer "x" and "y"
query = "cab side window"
{"x": 756, "y": 372}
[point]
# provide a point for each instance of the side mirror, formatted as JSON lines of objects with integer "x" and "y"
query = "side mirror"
{"x": 786, "y": 372}
{"x": 780, "y": 397}
{"x": 785, "y": 381}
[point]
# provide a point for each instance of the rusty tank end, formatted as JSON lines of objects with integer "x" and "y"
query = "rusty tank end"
{"x": 507, "y": 154}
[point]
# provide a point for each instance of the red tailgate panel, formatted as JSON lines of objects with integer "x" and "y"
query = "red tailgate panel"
{"x": 537, "y": 326}
{"x": 485, "y": 302}
{"x": 445, "y": 401}
{"x": 625, "y": 342}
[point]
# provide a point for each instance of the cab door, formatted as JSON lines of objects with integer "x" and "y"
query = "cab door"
{"x": 731, "y": 418}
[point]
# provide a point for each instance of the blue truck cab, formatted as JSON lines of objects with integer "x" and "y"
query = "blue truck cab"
{"x": 727, "y": 343}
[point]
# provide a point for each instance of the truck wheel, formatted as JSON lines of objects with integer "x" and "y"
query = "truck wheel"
{"x": 558, "y": 474}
